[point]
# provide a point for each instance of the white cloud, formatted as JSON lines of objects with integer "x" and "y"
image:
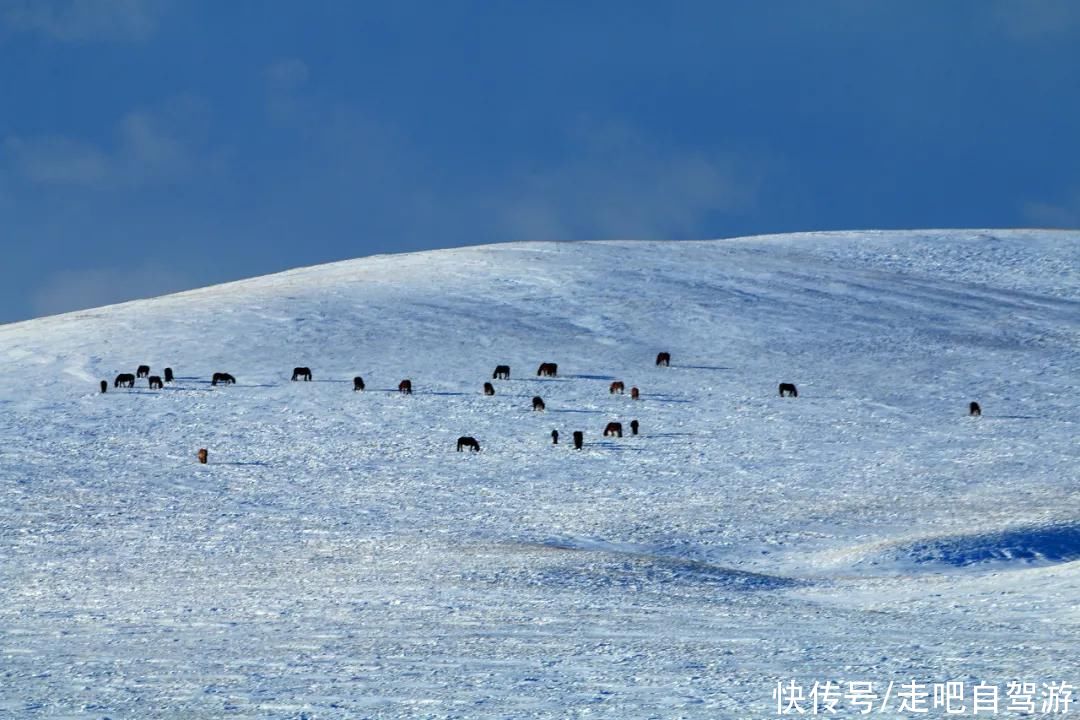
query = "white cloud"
{"x": 1055, "y": 215}
{"x": 1035, "y": 20}
{"x": 84, "y": 20}
{"x": 620, "y": 184}
{"x": 79, "y": 289}
{"x": 151, "y": 146}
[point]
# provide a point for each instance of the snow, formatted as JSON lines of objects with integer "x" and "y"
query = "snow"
{"x": 336, "y": 558}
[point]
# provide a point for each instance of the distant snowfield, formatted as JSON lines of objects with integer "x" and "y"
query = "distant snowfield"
{"x": 338, "y": 559}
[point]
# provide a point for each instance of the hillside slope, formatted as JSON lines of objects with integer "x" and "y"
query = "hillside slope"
{"x": 338, "y": 559}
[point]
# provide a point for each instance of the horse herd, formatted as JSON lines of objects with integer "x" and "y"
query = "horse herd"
{"x": 465, "y": 442}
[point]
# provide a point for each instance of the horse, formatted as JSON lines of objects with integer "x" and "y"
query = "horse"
{"x": 502, "y": 372}
{"x": 548, "y": 370}
{"x": 974, "y": 410}
{"x": 554, "y": 437}
{"x": 579, "y": 439}
{"x": 124, "y": 380}
{"x": 617, "y": 387}
{"x": 301, "y": 372}
{"x": 788, "y": 389}
{"x": 202, "y": 455}
{"x": 633, "y": 427}
{"x": 489, "y": 389}
{"x": 613, "y": 428}
{"x": 168, "y": 375}
{"x": 104, "y": 385}
{"x": 538, "y": 403}
{"x": 155, "y": 383}
{"x": 357, "y": 383}
{"x": 635, "y": 394}
{"x": 664, "y": 359}
{"x": 223, "y": 378}
{"x": 405, "y": 387}
{"x": 467, "y": 442}
{"x": 142, "y": 371}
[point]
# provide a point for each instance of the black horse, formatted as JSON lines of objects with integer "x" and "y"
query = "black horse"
{"x": 357, "y": 383}
{"x": 104, "y": 385}
{"x": 579, "y": 439}
{"x": 155, "y": 383}
{"x": 974, "y": 410}
{"x": 489, "y": 389}
{"x": 554, "y": 437}
{"x": 168, "y": 375}
{"x": 143, "y": 371}
{"x": 664, "y": 359}
{"x": 301, "y": 372}
{"x": 405, "y": 387}
{"x": 124, "y": 380}
{"x": 613, "y": 428}
{"x": 538, "y": 403}
{"x": 223, "y": 378}
{"x": 502, "y": 372}
{"x": 547, "y": 370}
{"x": 633, "y": 427}
{"x": 788, "y": 389}
{"x": 467, "y": 442}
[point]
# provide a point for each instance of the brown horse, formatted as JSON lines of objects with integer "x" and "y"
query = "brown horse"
{"x": 405, "y": 387}
{"x": 617, "y": 387}
{"x": 223, "y": 378}
{"x": 633, "y": 427}
{"x": 664, "y": 359}
{"x": 613, "y": 428}
{"x": 467, "y": 442}
{"x": 124, "y": 380}
{"x": 357, "y": 383}
{"x": 489, "y": 389}
{"x": 143, "y": 371}
{"x": 155, "y": 383}
{"x": 974, "y": 410}
{"x": 548, "y": 370}
{"x": 502, "y": 372}
{"x": 788, "y": 389}
{"x": 538, "y": 403}
{"x": 579, "y": 439}
{"x": 168, "y": 375}
{"x": 202, "y": 455}
{"x": 301, "y": 372}
{"x": 635, "y": 394}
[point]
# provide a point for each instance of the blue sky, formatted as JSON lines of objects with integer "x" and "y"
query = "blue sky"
{"x": 148, "y": 146}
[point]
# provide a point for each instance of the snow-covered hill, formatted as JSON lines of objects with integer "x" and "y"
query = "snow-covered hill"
{"x": 336, "y": 558}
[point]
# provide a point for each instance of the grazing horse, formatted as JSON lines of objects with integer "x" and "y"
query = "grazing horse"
{"x": 788, "y": 389}
{"x": 664, "y": 359}
{"x": 635, "y": 394}
{"x": 579, "y": 439}
{"x": 467, "y": 442}
{"x": 168, "y": 375}
{"x": 538, "y": 403}
{"x": 633, "y": 427}
{"x": 489, "y": 389}
{"x": 502, "y": 372}
{"x": 613, "y": 428}
{"x": 357, "y": 383}
{"x": 974, "y": 410}
{"x": 617, "y": 387}
{"x": 548, "y": 369}
{"x": 202, "y": 455}
{"x": 155, "y": 383}
{"x": 301, "y": 372}
{"x": 223, "y": 378}
{"x": 124, "y": 380}
{"x": 104, "y": 385}
{"x": 554, "y": 437}
{"x": 405, "y": 387}
{"x": 143, "y": 371}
